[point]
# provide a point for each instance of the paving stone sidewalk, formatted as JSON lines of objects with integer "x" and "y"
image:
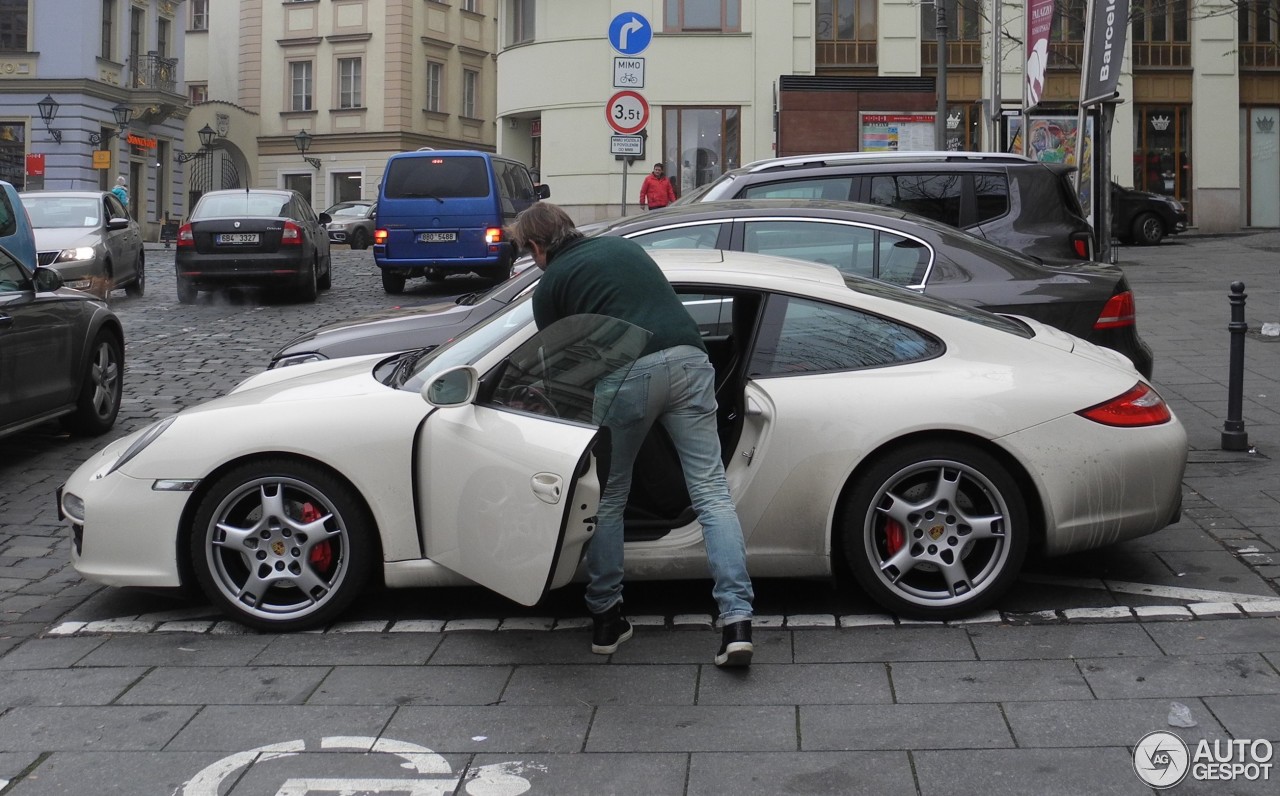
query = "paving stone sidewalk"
{"x": 1047, "y": 702}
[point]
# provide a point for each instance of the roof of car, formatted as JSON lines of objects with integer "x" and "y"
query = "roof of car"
{"x": 748, "y": 265}
{"x": 836, "y": 158}
{"x": 76, "y": 194}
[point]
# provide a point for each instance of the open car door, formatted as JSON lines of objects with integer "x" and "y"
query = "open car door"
{"x": 510, "y": 468}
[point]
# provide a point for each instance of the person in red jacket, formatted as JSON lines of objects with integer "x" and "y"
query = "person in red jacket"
{"x": 656, "y": 190}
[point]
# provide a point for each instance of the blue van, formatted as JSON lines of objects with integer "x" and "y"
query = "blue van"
{"x": 442, "y": 212}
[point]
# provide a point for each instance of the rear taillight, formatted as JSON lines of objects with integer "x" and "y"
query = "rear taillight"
{"x": 1119, "y": 311}
{"x": 185, "y": 237}
{"x": 292, "y": 235}
{"x": 1082, "y": 245}
{"x": 493, "y": 235}
{"x": 379, "y": 237}
{"x": 1140, "y": 406}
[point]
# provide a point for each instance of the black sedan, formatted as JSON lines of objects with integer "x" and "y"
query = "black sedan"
{"x": 1143, "y": 217}
{"x": 1090, "y": 300}
{"x": 253, "y": 237}
{"x": 61, "y": 353}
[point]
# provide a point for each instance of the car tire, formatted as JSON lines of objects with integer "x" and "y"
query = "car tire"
{"x": 359, "y": 239}
{"x": 138, "y": 287}
{"x": 325, "y": 280}
{"x": 101, "y": 386}
{"x": 1148, "y": 229}
{"x": 281, "y": 545}
{"x": 392, "y": 282}
{"x": 918, "y": 505}
{"x": 501, "y": 273}
{"x": 310, "y": 288}
{"x": 187, "y": 291}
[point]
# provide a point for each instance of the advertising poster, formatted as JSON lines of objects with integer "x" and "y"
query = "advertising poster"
{"x": 892, "y": 132}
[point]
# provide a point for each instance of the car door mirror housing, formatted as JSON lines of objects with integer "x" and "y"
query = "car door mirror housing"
{"x": 455, "y": 386}
{"x": 325, "y": 218}
{"x": 47, "y": 280}
{"x": 543, "y": 191}
{"x": 117, "y": 223}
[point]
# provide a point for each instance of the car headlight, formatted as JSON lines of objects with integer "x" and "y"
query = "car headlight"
{"x": 297, "y": 359}
{"x": 73, "y": 508}
{"x": 75, "y": 255}
{"x": 1175, "y": 204}
{"x": 146, "y": 438}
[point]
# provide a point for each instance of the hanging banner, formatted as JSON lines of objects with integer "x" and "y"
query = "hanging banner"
{"x": 1104, "y": 49}
{"x": 1039, "y": 23}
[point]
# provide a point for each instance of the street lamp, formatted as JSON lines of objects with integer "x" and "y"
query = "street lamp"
{"x": 206, "y": 135}
{"x": 303, "y": 142}
{"x": 48, "y": 112}
{"x": 123, "y": 114}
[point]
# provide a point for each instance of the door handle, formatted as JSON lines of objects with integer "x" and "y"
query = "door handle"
{"x": 548, "y": 487}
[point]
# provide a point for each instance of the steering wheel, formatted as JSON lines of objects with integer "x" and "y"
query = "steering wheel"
{"x": 528, "y": 398}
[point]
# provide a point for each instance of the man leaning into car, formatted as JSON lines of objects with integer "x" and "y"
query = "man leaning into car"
{"x": 673, "y": 383}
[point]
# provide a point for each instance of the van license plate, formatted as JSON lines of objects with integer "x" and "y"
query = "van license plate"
{"x": 238, "y": 237}
{"x": 437, "y": 237}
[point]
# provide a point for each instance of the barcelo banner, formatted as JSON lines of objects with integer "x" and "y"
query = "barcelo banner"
{"x": 1108, "y": 24}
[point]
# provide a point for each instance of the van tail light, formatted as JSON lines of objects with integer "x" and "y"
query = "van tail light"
{"x": 1119, "y": 311}
{"x": 379, "y": 237}
{"x": 1140, "y": 406}
{"x": 1082, "y": 245}
{"x": 186, "y": 238}
{"x": 292, "y": 235}
{"x": 493, "y": 235}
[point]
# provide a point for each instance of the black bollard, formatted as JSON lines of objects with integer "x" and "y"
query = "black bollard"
{"x": 1234, "y": 437}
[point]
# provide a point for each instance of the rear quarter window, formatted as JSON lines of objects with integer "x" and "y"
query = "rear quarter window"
{"x": 936, "y": 196}
{"x": 462, "y": 177}
{"x": 990, "y": 196}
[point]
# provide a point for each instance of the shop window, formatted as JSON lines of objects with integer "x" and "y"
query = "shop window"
{"x": 1161, "y": 147}
{"x": 13, "y": 151}
{"x": 700, "y": 144}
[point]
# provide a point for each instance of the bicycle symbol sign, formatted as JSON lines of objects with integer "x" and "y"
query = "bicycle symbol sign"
{"x": 628, "y": 73}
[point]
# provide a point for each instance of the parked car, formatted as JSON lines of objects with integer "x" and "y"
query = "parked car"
{"x": 256, "y": 237}
{"x": 444, "y": 212}
{"x": 90, "y": 239}
{"x": 1028, "y": 206}
{"x": 16, "y": 234}
{"x": 1090, "y": 300}
{"x": 1143, "y": 217}
{"x": 61, "y": 352}
{"x": 352, "y": 223}
{"x": 479, "y": 462}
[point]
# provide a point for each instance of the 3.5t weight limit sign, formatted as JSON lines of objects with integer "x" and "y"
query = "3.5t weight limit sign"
{"x": 627, "y": 112}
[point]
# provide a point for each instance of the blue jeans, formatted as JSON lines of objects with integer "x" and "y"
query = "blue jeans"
{"x": 676, "y": 387}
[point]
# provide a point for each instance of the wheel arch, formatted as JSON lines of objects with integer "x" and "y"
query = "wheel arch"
{"x": 182, "y": 539}
{"x": 1026, "y": 486}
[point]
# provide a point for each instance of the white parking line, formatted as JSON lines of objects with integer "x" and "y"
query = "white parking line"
{"x": 1151, "y": 590}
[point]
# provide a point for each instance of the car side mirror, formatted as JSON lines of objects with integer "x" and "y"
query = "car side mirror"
{"x": 455, "y": 386}
{"x": 117, "y": 223}
{"x": 325, "y": 218}
{"x": 543, "y": 191}
{"x": 47, "y": 280}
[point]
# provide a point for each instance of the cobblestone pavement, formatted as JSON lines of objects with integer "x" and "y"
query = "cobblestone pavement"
{"x": 444, "y": 691}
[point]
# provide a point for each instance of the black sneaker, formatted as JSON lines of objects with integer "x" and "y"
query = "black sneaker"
{"x": 608, "y": 630}
{"x": 735, "y": 645}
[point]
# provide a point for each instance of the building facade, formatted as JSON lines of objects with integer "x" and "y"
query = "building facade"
{"x": 88, "y": 66}
{"x": 731, "y": 81}
{"x": 363, "y": 79}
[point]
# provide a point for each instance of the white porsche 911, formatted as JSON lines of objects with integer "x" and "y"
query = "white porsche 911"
{"x": 927, "y": 446}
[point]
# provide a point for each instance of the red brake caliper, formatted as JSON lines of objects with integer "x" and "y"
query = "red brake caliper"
{"x": 322, "y": 554}
{"x": 894, "y": 536}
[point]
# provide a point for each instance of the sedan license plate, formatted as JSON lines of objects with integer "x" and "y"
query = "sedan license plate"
{"x": 437, "y": 237}
{"x": 238, "y": 237}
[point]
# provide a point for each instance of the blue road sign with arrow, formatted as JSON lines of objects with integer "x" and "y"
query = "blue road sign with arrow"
{"x": 630, "y": 33}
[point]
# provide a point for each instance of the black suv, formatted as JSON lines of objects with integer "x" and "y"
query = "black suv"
{"x": 1011, "y": 200}
{"x": 1143, "y": 217}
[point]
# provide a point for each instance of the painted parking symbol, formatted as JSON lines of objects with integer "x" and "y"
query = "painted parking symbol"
{"x": 430, "y": 774}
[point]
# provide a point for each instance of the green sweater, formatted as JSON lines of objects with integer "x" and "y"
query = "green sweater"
{"x": 617, "y": 278}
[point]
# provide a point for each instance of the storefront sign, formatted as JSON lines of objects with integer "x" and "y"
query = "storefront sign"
{"x": 102, "y": 158}
{"x": 890, "y": 132}
{"x": 35, "y": 165}
{"x": 140, "y": 142}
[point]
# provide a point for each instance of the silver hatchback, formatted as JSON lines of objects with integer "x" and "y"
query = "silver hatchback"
{"x": 89, "y": 238}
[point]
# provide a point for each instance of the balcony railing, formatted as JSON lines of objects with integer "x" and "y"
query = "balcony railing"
{"x": 847, "y": 53}
{"x": 959, "y": 53}
{"x": 150, "y": 71}
{"x": 1259, "y": 56}
{"x": 1163, "y": 54}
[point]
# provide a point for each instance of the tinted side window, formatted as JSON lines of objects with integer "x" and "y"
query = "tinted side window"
{"x": 849, "y": 248}
{"x": 8, "y": 218}
{"x": 935, "y": 196}
{"x": 437, "y": 177}
{"x": 13, "y": 278}
{"x": 825, "y": 188}
{"x": 695, "y": 236}
{"x": 803, "y": 336}
{"x": 114, "y": 208}
{"x": 991, "y": 196}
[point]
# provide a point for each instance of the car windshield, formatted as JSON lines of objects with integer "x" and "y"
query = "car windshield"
{"x": 241, "y": 205}
{"x": 349, "y": 209}
{"x": 472, "y": 344}
{"x": 697, "y": 193}
{"x": 51, "y": 212}
{"x": 874, "y": 287}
